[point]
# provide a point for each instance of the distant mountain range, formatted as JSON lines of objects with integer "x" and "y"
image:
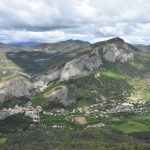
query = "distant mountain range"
{"x": 24, "y": 44}
{"x": 30, "y": 43}
{"x": 77, "y": 41}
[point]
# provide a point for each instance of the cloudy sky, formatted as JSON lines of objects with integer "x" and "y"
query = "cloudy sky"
{"x": 89, "y": 20}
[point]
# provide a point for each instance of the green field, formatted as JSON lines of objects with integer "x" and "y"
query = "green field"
{"x": 112, "y": 74}
{"x": 3, "y": 140}
{"x": 132, "y": 123}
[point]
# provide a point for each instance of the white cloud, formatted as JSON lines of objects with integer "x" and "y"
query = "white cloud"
{"x": 54, "y": 20}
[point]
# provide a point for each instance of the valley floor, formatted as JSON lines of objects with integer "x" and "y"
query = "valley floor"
{"x": 116, "y": 132}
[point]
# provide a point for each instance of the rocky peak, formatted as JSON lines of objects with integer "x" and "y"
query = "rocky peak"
{"x": 116, "y": 40}
{"x": 113, "y": 50}
{"x": 59, "y": 95}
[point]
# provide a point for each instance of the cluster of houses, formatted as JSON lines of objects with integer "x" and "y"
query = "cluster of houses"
{"x": 28, "y": 111}
{"x": 130, "y": 107}
{"x": 79, "y": 114}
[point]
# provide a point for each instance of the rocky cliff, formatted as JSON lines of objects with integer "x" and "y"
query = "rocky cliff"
{"x": 114, "y": 54}
{"x": 114, "y": 50}
{"x": 81, "y": 66}
{"x": 17, "y": 87}
{"x": 59, "y": 95}
{"x": 44, "y": 80}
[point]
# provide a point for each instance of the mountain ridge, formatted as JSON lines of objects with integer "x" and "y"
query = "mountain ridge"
{"x": 85, "y": 60}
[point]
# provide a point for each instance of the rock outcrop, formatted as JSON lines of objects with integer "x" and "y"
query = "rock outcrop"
{"x": 114, "y": 50}
{"x": 81, "y": 66}
{"x": 17, "y": 87}
{"x": 114, "y": 53}
{"x": 45, "y": 79}
{"x": 59, "y": 95}
{"x": 20, "y": 87}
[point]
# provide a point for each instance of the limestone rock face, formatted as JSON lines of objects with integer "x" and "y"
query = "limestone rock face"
{"x": 45, "y": 79}
{"x": 60, "y": 95}
{"x": 115, "y": 53}
{"x": 53, "y": 75}
{"x": 81, "y": 66}
{"x": 39, "y": 84}
{"x": 19, "y": 87}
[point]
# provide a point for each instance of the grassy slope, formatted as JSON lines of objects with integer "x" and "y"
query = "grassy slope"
{"x": 131, "y": 123}
{"x": 7, "y": 67}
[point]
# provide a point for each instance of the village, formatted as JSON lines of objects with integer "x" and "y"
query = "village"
{"x": 28, "y": 111}
{"x": 79, "y": 114}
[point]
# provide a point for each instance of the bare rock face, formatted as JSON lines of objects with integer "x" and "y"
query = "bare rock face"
{"x": 19, "y": 87}
{"x": 115, "y": 53}
{"x": 114, "y": 50}
{"x": 60, "y": 95}
{"x": 38, "y": 84}
{"x": 81, "y": 66}
{"x": 45, "y": 79}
